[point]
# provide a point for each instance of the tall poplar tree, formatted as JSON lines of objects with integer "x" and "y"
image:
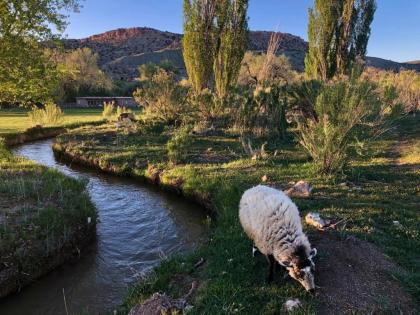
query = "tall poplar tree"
{"x": 232, "y": 42}
{"x": 199, "y": 41}
{"x": 338, "y": 34}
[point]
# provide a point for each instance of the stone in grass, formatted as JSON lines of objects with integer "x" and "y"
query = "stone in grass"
{"x": 314, "y": 219}
{"x": 126, "y": 117}
{"x": 291, "y": 305}
{"x": 300, "y": 189}
{"x": 160, "y": 304}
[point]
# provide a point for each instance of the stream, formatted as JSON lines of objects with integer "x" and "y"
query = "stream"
{"x": 138, "y": 227}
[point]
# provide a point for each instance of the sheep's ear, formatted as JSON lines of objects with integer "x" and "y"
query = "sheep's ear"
{"x": 313, "y": 253}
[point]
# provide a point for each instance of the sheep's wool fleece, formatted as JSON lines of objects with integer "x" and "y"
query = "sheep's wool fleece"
{"x": 272, "y": 221}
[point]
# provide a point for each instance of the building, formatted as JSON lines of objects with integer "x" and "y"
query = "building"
{"x": 98, "y": 101}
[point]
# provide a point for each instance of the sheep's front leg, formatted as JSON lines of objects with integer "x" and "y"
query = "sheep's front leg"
{"x": 255, "y": 251}
{"x": 271, "y": 267}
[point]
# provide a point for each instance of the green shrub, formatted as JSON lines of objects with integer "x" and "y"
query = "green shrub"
{"x": 50, "y": 115}
{"x": 344, "y": 115}
{"x": 261, "y": 111}
{"x": 109, "y": 108}
{"x": 163, "y": 98}
{"x": 179, "y": 144}
{"x": 405, "y": 83}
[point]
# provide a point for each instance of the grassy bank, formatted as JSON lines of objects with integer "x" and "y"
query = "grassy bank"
{"x": 43, "y": 217}
{"x": 17, "y": 120}
{"x": 43, "y": 213}
{"x": 378, "y": 190}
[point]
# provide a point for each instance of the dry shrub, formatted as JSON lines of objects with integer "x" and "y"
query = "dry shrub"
{"x": 49, "y": 115}
{"x": 405, "y": 82}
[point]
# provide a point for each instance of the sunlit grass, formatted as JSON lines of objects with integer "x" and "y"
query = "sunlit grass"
{"x": 17, "y": 120}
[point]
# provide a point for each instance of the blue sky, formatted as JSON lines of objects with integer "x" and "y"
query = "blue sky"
{"x": 395, "y": 30}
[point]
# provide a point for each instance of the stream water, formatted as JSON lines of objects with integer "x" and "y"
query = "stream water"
{"x": 138, "y": 226}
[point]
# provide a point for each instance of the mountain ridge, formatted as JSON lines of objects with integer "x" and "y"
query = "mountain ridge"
{"x": 123, "y": 50}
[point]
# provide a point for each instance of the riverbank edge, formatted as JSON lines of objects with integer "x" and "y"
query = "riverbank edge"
{"x": 152, "y": 175}
{"x": 12, "y": 280}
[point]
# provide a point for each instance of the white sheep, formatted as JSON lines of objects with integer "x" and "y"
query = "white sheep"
{"x": 272, "y": 221}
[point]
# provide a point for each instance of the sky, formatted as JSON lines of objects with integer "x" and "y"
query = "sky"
{"x": 395, "y": 30}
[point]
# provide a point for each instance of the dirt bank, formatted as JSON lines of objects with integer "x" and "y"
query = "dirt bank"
{"x": 32, "y": 134}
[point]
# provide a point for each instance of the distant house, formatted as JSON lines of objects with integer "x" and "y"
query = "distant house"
{"x": 98, "y": 101}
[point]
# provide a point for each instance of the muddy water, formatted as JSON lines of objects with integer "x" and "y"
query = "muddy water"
{"x": 138, "y": 227}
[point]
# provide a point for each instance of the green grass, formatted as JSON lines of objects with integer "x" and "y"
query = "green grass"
{"x": 42, "y": 214}
{"x": 17, "y": 120}
{"x": 216, "y": 170}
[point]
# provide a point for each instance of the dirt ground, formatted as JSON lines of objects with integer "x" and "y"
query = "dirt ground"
{"x": 355, "y": 277}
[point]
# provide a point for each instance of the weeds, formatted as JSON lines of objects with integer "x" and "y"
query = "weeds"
{"x": 49, "y": 115}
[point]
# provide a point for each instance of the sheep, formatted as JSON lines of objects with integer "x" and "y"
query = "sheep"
{"x": 271, "y": 220}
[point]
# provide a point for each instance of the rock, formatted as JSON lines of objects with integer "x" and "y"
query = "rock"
{"x": 292, "y": 304}
{"x": 160, "y": 304}
{"x": 300, "y": 189}
{"x": 397, "y": 223}
{"x": 126, "y": 117}
{"x": 314, "y": 219}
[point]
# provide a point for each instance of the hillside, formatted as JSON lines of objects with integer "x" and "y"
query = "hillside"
{"x": 121, "y": 51}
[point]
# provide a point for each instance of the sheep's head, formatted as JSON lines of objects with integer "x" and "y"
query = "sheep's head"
{"x": 301, "y": 268}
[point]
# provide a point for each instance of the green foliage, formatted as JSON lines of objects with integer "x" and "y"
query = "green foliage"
{"x": 405, "y": 83}
{"x": 80, "y": 75}
{"x": 179, "y": 145}
{"x": 27, "y": 75}
{"x": 214, "y": 42}
{"x": 232, "y": 42}
{"x": 343, "y": 116}
{"x": 109, "y": 108}
{"x": 199, "y": 41}
{"x": 163, "y": 98}
{"x": 206, "y": 104}
{"x": 262, "y": 111}
{"x": 252, "y": 70}
{"x": 49, "y": 115}
{"x": 148, "y": 70}
{"x": 338, "y": 33}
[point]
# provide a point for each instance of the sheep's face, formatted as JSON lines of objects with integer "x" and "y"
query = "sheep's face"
{"x": 305, "y": 276}
{"x": 302, "y": 269}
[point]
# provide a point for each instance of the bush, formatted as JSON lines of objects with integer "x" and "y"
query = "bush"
{"x": 179, "y": 144}
{"x": 163, "y": 98}
{"x": 50, "y": 115}
{"x": 261, "y": 111}
{"x": 345, "y": 114}
{"x": 261, "y": 69}
{"x": 406, "y": 84}
{"x": 108, "y": 111}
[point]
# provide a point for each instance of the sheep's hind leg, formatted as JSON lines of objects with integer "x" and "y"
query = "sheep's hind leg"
{"x": 271, "y": 267}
